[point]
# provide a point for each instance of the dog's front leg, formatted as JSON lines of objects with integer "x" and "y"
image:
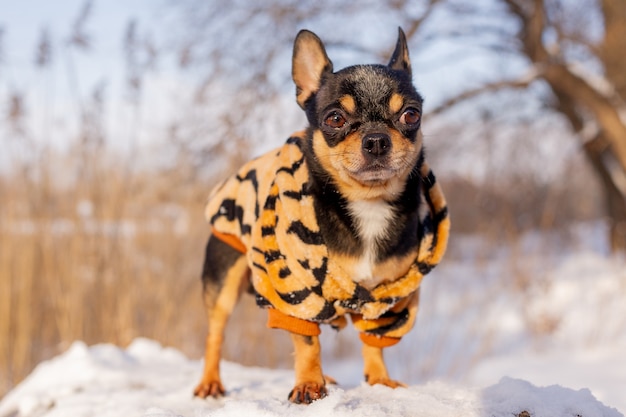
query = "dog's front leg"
{"x": 310, "y": 385}
{"x": 375, "y": 370}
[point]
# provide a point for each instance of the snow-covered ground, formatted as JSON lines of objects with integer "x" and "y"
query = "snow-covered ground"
{"x": 149, "y": 380}
{"x": 540, "y": 327}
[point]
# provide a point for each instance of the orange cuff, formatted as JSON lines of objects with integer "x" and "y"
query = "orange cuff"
{"x": 231, "y": 240}
{"x": 278, "y": 320}
{"x": 378, "y": 341}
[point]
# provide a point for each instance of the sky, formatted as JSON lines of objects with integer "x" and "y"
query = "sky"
{"x": 52, "y": 94}
{"x": 55, "y": 95}
{"x": 52, "y": 102}
{"x": 23, "y": 20}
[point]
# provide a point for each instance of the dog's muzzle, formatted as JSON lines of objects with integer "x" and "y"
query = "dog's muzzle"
{"x": 376, "y": 145}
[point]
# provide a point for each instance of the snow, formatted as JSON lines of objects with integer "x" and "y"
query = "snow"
{"x": 150, "y": 380}
{"x": 481, "y": 347}
{"x": 601, "y": 368}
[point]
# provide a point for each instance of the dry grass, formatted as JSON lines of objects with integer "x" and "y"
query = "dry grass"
{"x": 91, "y": 251}
{"x": 107, "y": 257}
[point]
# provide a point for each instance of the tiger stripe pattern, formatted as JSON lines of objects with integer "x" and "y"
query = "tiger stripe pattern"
{"x": 268, "y": 208}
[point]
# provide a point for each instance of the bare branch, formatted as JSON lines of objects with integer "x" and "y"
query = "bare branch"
{"x": 570, "y": 85}
{"x": 410, "y": 26}
{"x": 415, "y": 24}
{"x": 487, "y": 88}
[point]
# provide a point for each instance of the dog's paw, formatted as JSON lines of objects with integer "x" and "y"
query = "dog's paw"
{"x": 307, "y": 392}
{"x": 385, "y": 381}
{"x": 206, "y": 389}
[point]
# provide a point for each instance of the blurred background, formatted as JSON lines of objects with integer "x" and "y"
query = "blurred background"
{"x": 117, "y": 118}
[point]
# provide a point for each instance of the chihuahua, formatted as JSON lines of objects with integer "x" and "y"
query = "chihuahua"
{"x": 342, "y": 221}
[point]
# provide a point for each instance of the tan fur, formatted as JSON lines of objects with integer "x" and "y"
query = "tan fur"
{"x": 309, "y": 61}
{"x": 374, "y": 368}
{"x": 396, "y": 102}
{"x": 218, "y": 313}
{"x": 310, "y": 382}
{"x": 348, "y": 104}
{"x": 342, "y": 167}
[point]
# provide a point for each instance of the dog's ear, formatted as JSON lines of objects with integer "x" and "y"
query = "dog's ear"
{"x": 309, "y": 63}
{"x": 400, "y": 57}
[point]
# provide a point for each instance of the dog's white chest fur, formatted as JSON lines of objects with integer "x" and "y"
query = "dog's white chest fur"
{"x": 372, "y": 221}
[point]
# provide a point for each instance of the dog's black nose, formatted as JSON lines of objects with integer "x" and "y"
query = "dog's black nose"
{"x": 376, "y": 144}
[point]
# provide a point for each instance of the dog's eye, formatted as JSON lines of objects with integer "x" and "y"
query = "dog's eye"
{"x": 335, "y": 120}
{"x": 410, "y": 117}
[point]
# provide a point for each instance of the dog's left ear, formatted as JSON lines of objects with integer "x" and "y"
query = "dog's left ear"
{"x": 309, "y": 64}
{"x": 400, "y": 58}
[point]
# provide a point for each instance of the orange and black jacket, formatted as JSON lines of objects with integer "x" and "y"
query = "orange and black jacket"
{"x": 262, "y": 212}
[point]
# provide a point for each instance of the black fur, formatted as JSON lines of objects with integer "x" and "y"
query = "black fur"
{"x": 219, "y": 257}
{"x": 372, "y": 87}
{"x": 335, "y": 223}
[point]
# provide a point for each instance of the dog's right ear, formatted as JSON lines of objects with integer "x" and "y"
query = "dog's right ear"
{"x": 400, "y": 58}
{"x": 309, "y": 64}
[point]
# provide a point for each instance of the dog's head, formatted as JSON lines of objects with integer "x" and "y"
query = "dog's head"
{"x": 364, "y": 120}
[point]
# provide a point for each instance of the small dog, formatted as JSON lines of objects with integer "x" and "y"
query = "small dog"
{"x": 344, "y": 219}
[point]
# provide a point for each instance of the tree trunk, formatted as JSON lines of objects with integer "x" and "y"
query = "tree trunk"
{"x": 613, "y": 47}
{"x": 615, "y": 203}
{"x": 607, "y": 152}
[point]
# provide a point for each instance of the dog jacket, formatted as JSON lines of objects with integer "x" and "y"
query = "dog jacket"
{"x": 266, "y": 212}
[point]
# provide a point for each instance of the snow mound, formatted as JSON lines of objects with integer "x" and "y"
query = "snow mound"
{"x": 153, "y": 381}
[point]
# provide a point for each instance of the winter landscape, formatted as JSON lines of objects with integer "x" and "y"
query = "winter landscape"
{"x": 149, "y": 380}
{"x": 576, "y": 371}
{"x": 117, "y": 118}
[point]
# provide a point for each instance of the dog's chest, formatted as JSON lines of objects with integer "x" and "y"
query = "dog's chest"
{"x": 372, "y": 220}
